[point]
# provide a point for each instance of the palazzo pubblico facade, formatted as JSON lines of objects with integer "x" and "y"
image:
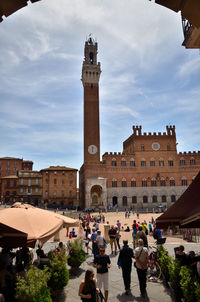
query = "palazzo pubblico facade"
{"x": 147, "y": 173}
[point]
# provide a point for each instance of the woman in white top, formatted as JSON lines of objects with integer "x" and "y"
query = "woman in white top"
{"x": 100, "y": 239}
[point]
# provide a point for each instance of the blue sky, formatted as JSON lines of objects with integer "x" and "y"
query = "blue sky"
{"x": 147, "y": 78}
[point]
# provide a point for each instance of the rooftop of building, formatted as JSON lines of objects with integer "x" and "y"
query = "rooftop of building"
{"x": 9, "y": 177}
{"x": 59, "y": 168}
{"x": 9, "y": 158}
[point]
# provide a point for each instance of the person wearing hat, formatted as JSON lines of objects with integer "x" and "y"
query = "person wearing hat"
{"x": 125, "y": 263}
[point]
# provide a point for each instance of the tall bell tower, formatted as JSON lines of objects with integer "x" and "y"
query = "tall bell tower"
{"x": 90, "y": 78}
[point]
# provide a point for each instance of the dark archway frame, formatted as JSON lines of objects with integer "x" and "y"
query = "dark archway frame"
{"x": 190, "y": 9}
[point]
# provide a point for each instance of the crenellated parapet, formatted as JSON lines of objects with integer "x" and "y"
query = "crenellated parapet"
{"x": 137, "y": 131}
{"x": 171, "y": 130}
{"x": 189, "y": 153}
{"x": 115, "y": 154}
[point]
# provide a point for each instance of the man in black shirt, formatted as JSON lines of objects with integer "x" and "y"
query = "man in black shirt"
{"x": 125, "y": 262}
{"x": 112, "y": 235}
{"x": 102, "y": 264}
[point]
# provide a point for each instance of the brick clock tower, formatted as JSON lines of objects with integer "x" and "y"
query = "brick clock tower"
{"x": 91, "y": 184}
{"x": 90, "y": 78}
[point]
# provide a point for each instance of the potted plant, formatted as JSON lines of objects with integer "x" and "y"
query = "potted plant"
{"x": 174, "y": 279}
{"x": 59, "y": 272}
{"x": 197, "y": 290}
{"x": 33, "y": 288}
{"x": 187, "y": 284}
{"x": 164, "y": 260}
{"x": 76, "y": 253}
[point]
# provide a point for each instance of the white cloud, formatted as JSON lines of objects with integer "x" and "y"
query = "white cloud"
{"x": 190, "y": 67}
{"x": 147, "y": 76}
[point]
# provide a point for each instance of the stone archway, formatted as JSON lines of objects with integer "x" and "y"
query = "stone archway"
{"x": 114, "y": 201}
{"x": 95, "y": 195}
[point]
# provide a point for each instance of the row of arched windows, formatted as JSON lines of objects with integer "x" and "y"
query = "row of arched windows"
{"x": 145, "y": 199}
{"x": 153, "y": 182}
{"x": 152, "y": 163}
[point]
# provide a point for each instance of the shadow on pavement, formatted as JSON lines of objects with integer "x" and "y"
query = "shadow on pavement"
{"x": 75, "y": 273}
{"x": 123, "y": 297}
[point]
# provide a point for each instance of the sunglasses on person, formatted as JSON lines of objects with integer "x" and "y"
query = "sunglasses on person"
{"x": 101, "y": 251}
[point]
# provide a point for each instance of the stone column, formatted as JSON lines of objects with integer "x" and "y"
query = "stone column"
{"x": 106, "y": 229}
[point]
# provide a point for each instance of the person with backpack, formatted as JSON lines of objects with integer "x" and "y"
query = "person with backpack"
{"x": 141, "y": 257}
{"x": 141, "y": 235}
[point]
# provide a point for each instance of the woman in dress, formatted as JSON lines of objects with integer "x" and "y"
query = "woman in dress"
{"x": 88, "y": 287}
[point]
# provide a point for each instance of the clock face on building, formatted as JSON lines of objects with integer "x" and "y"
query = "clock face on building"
{"x": 92, "y": 149}
{"x": 155, "y": 146}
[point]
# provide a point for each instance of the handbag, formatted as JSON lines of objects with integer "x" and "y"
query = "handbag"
{"x": 99, "y": 296}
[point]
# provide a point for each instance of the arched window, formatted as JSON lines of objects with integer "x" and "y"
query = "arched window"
{"x": 114, "y": 200}
{"x": 153, "y": 182}
{"x": 134, "y": 199}
{"x": 170, "y": 162}
{"x": 124, "y": 201}
{"x": 124, "y": 184}
{"x": 133, "y": 182}
{"x": 132, "y": 162}
{"x": 114, "y": 162}
{"x": 173, "y": 198}
{"x": 123, "y": 162}
{"x": 152, "y": 162}
{"x": 172, "y": 182}
{"x": 91, "y": 55}
{"x": 164, "y": 198}
{"x": 114, "y": 183}
{"x": 162, "y": 182}
{"x": 161, "y": 162}
{"x": 192, "y": 162}
{"x": 145, "y": 199}
{"x": 182, "y": 161}
{"x": 144, "y": 182}
{"x": 154, "y": 199}
{"x": 143, "y": 162}
{"x": 184, "y": 181}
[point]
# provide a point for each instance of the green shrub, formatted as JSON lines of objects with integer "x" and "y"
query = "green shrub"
{"x": 174, "y": 273}
{"x": 59, "y": 278}
{"x": 59, "y": 272}
{"x": 164, "y": 260}
{"x": 34, "y": 287}
{"x": 76, "y": 253}
{"x": 197, "y": 290}
{"x": 57, "y": 258}
{"x": 187, "y": 284}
